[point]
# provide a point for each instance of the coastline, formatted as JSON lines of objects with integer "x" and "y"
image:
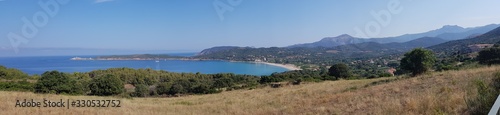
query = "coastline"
{"x": 290, "y": 67}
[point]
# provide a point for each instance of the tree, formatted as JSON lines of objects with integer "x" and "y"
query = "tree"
{"x": 106, "y": 85}
{"x": 181, "y": 86}
{"x": 178, "y": 88}
{"x": 223, "y": 82}
{"x": 163, "y": 88}
{"x": 393, "y": 64}
{"x": 54, "y": 82}
{"x": 489, "y": 56}
{"x": 339, "y": 70}
{"x": 141, "y": 90}
{"x": 418, "y": 61}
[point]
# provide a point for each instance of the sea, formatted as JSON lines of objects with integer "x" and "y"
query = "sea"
{"x": 40, "y": 64}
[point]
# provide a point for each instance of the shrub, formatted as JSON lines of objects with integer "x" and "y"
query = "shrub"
{"x": 385, "y": 74}
{"x": 223, "y": 82}
{"x": 204, "y": 89}
{"x": 57, "y": 82}
{"x": 141, "y": 90}
{"x": 486, "y": 96}
{"x": 16, "y": 86}
{"x": 489, "y": 56}
{"x": 443, "y": 67}
{"x": 106, "y": 86}
{"x": 10, "y": 73}
{"x": 163, "y": 88}
{"x": 181, "y": 86}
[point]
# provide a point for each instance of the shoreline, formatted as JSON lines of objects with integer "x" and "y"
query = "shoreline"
{"x": 290, "y": 67}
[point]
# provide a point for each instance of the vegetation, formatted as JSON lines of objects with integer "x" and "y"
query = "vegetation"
{"x": 418, "y": 61}
{"x": 435, "y": 93}
{"x": 11, "y": 73}
{"x": 15, "y": 80}
{"x": 16, "y": 86}
{"x": 339, "y": 71}
{"x": 141, "y": 90}
{"x": 106, "y": 85}
{"x": 486, "y": 95}
{"x": 145, "y": 82}
{"x": 303, "y": 75}
{"x": 372, "y": 60}
{"x": 59, "y": 83}
{"x": 489, "y": 56}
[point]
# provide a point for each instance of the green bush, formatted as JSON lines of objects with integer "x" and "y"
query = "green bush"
{"x": 204, "y": 89}
{"x": 385, "y": 74}
{"x": 10, "y": 73}
{"x": 106, "y": 85}
{"x": 443, "y": 67}
{"x": 181, "y": 86}
{"x": 163, "y": 88}
{"x": 223, "y": 82}
{"x": 16, "y": 86}
{"x": 489, "y": 56}
{"x": 59, "y": 83}
{"x": 141, "y": 90}
{"x": 486, "y": 96}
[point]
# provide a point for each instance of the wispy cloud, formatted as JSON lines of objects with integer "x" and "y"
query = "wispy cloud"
{"x": 101, "y": 1}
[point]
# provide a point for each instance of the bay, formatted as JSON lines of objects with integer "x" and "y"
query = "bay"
{"x": 39, "y": 65}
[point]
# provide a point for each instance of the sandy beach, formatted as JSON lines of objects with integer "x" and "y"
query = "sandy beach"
{"x": 286, "y": 66}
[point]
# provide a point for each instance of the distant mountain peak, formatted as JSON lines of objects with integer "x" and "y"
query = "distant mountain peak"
{"x": 344, "y": 36}
{"x": 451, "y": 28}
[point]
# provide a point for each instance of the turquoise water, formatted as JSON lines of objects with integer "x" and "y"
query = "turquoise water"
{"x": 38, "y": 65}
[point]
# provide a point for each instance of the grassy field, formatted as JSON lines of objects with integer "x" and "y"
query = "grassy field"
{"x": 436, "y": 93}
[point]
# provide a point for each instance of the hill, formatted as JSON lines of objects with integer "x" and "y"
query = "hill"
{"x": 343, "y": 39}
{"x": 397, "y": 47}
{"x": 216, "y": 49}
{"x": 436, "y": 93}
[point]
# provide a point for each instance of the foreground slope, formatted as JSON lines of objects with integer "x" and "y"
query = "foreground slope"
{"x": 440, "y": 92}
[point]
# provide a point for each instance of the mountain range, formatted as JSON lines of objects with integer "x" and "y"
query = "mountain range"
{"x": 469, "y": 45}
{"x": 347, "y": 43}
{"x": 448, "y": 32}
{"x": 374, "y": 46}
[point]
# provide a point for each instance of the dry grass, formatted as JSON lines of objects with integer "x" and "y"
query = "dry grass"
{"x": 436, "y": 93}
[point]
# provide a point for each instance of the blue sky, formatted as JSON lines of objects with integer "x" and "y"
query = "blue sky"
{"x": 193, "y": 25}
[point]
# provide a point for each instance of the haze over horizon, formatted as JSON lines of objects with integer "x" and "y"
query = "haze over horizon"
{"x": 184, "y": 26}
